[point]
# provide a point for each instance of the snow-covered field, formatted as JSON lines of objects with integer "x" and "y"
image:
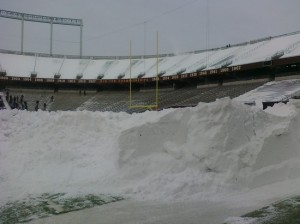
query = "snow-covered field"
{"x": 190, "y": 165}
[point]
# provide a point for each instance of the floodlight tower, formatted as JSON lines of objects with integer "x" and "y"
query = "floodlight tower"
{"x": 43, "y": 19}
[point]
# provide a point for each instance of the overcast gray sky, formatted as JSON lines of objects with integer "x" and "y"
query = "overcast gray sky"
{"x": 183, "y": 25}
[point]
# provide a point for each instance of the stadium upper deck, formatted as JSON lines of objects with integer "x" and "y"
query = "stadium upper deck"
{"x": 271, "y": 51}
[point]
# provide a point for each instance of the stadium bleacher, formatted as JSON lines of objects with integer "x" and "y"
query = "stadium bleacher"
{"x": 118, "y": 101}
{"x": 189, "y": 78}
{"x": 46, "y": 66}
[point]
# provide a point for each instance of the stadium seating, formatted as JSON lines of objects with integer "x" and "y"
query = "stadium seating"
{"x": 73, "y": 72}
{"x": 46, "y": 66}
{"x": 118, "y": 101}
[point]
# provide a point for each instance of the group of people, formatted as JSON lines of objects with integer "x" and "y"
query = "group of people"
{"x": 36, "y": 108}
{"x": 84, "y": 93}
{"x": 16, "y": 102}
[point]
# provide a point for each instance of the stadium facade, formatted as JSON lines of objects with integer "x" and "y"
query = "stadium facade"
{"x": 263, "y": 58}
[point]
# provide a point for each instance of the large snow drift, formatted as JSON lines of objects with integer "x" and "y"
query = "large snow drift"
{"x": 185, "y": 154}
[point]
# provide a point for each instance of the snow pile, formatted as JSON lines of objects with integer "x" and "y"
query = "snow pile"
{"x": 282, "y": 109}
{"x": 183, "y": 154}
{"x": 213, "y": 148}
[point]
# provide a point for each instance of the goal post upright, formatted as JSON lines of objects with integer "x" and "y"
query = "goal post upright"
{"x": 130, "y": 94}
{"x": 151, "y": 106}
{"x": 156, "y": 92}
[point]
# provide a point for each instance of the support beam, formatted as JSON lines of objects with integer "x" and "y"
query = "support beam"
{"x": 22, "y": 35}
{"x": 42, "y": 19}
{"x": 51, "y": 36}
{"x": 81, "y": 28}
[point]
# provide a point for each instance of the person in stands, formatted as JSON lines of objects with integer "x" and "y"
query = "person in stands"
{"x": 7, "y": 95}
{"x": 14, "y": 102}
{"x": 45, "y": 106}
{"x": 36, "y": 106}
{"x": 10, "y": 100}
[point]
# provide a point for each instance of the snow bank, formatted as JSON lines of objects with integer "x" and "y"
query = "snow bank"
{"x": 182, "y": 154}
{"x": 213, "y": 148}
{"x": 282, "y": 109}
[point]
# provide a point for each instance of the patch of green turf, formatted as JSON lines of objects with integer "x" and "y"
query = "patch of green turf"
{"x": 283, "y": 212}
{"x": 50, "y": 204}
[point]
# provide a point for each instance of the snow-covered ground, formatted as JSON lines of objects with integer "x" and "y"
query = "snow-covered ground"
{"x": 189, "y": 165}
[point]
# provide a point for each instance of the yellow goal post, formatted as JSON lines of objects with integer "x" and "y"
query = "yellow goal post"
{"x": 150, "y": 106}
